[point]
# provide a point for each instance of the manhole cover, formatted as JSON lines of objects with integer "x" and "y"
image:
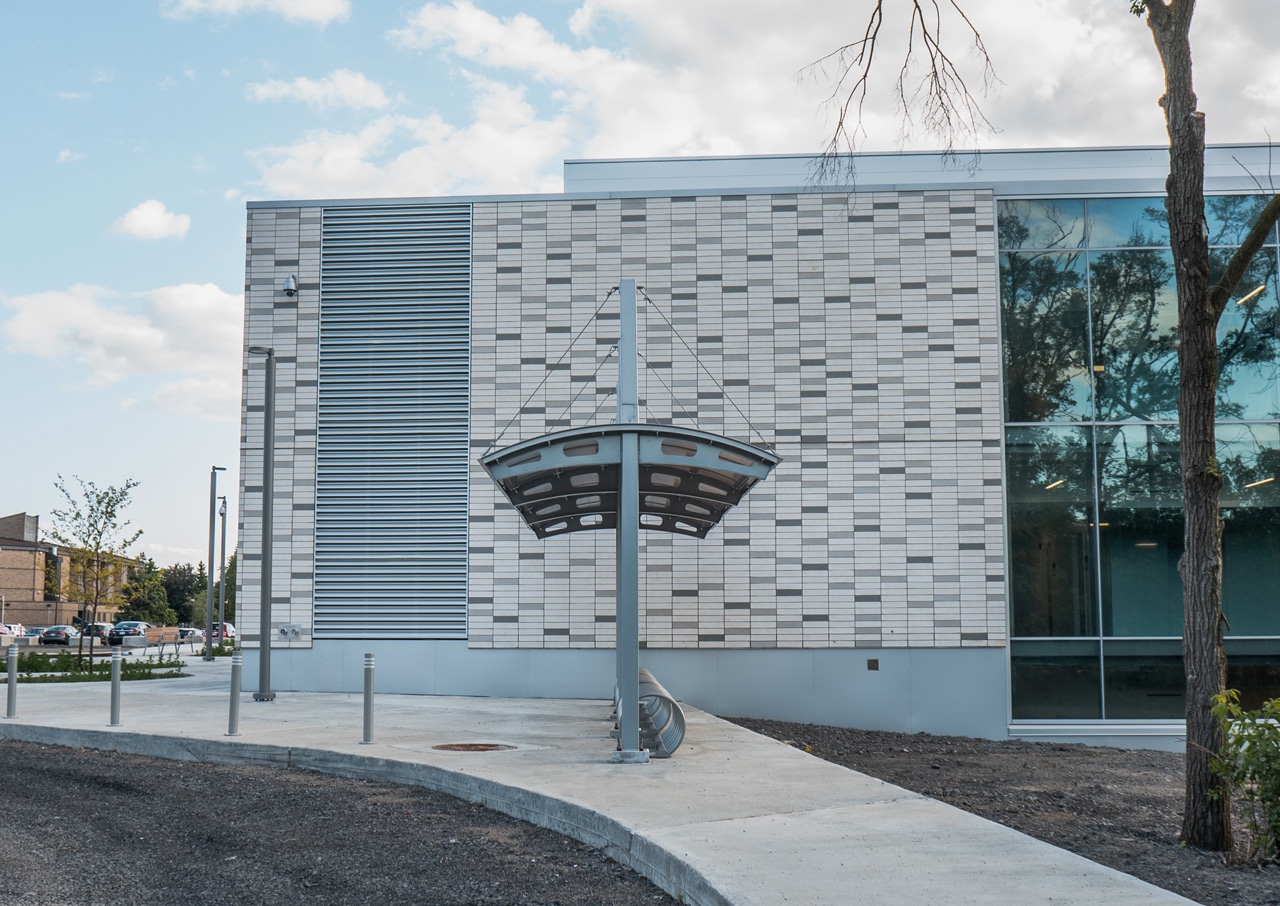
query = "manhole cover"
{"x": 472, "y": 747}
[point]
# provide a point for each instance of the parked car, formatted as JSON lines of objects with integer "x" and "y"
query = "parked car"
{"x": 15, "y": 629}
{"x": 59, "y": 635}
{"x": 35, "y": 632}
{"x": 226, "y": 630}
{"x": 191, "y": 634}
{"x": 128, "y": 632}
{"x": 99, "y": 631}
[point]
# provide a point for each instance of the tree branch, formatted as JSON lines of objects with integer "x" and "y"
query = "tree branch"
{"x": 1243, "y": 257}
{"x": 947, "y": 107}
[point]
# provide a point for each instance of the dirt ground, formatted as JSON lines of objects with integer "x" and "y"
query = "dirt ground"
{"x": 87, "y": 827}
{"x": 1119, "y": 807}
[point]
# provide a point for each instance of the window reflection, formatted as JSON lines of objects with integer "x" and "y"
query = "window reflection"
{"x": 1249, "y": 341}
{"x": 1140, "y": 494}
{"x": 1042, "y": 224}
{"x": 1051, "y": 579}
{"x": 1127, "y": 222}
{"x": 1056, "y": 680}
{"x": 1249, "y": 456}
{"x": 1090, "y": 338}
{"x": 1135, "y": 332}
{"x": 1044, "y": 329}
{"x": 1144, "y": 679}
{"x": 1230, "y": 217}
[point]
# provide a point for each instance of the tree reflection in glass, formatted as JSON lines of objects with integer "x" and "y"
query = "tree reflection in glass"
{"x": 1044, "y": 307}
{"x": 1128, "y": 222}
{"x": 1249, "y": 341}
{"x": 1140, "y": 532}
{"x": 1135, "y": 329}
{"x": 1050, "y": 494}
{"x": 1249, "y": 456}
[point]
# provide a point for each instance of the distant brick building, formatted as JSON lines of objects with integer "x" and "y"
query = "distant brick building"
{"x": 30, "y": 576}
{"x": 39, "y": 581}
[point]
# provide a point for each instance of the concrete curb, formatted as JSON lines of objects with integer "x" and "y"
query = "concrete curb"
{"x": 622, "y": 844}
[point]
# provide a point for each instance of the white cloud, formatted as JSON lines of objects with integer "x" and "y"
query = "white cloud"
{"x": 506, "y": 148}
{"x": 187, "y": 335}
{"x": 66, "y": 156}
{"x": 317, "y": 12}
{"x": 340, "y": 88}
{"x": 72, "y": 95}
{"x": 232, "y": 194}
{"x": 636, "y": 78}
{"x": 152, "y": 220}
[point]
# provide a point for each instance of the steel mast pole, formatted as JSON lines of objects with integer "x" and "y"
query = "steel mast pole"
{"x": 627, "y": 646}
{"x": 264, "y": 693}
{"x": 222, "y": 574}
{"x": 208, "y": 596}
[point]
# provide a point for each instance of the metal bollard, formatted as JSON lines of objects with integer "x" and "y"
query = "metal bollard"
{"x": 368, "y": 700}
{"x": 233, "y": 720}
{"x": 12, "y": 710}
{"x": 117, "y": 658}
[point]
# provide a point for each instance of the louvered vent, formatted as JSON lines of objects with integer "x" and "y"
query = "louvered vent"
{"x": 391, "y": 495}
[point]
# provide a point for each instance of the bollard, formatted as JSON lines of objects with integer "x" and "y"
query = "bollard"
{"x": 12, "y": 710}
{"x": 117, "y": 658}
{"x": 368, "y": 700}
{"x": 233, "y": 720}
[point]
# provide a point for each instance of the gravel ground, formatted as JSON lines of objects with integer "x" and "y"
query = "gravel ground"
{"x": 1119, "y": 807}
{"x": 86, "y": 827}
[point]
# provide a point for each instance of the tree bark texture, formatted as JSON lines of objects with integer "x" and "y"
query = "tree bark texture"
{"x": 1206, "y": 820}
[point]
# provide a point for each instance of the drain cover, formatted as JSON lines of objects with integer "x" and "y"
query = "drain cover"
{"x": 472, "y": 747}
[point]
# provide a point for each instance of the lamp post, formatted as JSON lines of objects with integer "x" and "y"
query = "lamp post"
{"x": 222, "y": 572}
{"x": 264, "y": 693}
{"x": 208, "y": 597}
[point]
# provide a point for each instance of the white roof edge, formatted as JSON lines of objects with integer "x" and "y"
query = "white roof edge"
{"x": 1134, "y": 169}
{"x": 1006, "y": 172}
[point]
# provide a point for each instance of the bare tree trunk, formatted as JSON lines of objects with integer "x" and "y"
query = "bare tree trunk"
{"x": 1206, "y": 819}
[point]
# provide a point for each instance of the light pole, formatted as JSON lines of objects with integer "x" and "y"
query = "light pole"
{"x": 208, "y": 597}
{"x": 222, "y": 573}
{"x": 264, "y": 693}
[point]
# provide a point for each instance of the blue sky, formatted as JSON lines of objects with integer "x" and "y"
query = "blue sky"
{"x": 135, "y": 132}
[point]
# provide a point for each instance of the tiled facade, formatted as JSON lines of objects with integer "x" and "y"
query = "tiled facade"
{"x": 281, "y": 242}
{"x": 856, "y": 334}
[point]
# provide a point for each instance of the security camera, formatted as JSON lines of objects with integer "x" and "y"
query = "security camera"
{"x": 290, "y": 285}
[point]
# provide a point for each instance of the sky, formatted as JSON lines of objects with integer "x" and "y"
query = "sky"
{"x": 135, "y": 132}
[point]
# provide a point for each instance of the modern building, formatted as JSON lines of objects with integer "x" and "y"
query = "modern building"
{"x": 967, "y": 368}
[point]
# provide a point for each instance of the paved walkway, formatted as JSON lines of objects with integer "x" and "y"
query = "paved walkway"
{"x": 733, "y": 818}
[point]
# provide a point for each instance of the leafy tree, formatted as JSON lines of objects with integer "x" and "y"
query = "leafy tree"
{"x": 183, "y": 584}
{"x": 930, "y": 84}
{"x": 91, "y": 527}
{"x": 145, "y": 597}
{"x": 230, "y": 602}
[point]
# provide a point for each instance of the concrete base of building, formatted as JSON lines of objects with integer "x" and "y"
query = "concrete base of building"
{"x": 951, "y": 691}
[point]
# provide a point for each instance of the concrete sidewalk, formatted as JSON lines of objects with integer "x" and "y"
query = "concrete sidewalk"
{"x": 733, "y": 818}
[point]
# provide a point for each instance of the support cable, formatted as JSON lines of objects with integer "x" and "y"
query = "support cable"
{"x": 494, "y": 443}
{"x": 590, "y": 382}
{"x": 707, "y": 371}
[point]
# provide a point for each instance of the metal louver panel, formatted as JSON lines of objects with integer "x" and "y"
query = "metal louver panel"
{"x": 391, "y": 469}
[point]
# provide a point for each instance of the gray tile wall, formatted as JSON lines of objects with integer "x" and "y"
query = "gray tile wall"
{"x": 858, "y": 334}
{"x": 280, "y": 242}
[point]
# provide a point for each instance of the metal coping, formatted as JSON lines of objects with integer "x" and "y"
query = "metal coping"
{"x": 568, "y": 481}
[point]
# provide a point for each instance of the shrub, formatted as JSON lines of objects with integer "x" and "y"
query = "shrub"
{"x": 1250, "y": 764}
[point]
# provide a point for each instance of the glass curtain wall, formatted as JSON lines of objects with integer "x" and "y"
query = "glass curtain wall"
{"x": 1089, "y": 328}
